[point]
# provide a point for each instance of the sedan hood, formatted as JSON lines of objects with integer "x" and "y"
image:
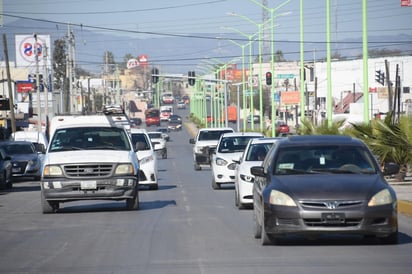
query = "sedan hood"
{"x": 325, "y": 186}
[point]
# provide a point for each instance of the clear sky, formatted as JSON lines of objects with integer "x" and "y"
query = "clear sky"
{"x": 138, "y": 18}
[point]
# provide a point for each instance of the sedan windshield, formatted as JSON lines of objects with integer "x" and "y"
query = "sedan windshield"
{"x": 323, "y": 159}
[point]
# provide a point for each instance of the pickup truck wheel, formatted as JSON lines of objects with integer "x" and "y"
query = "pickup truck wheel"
{"x": 154, "y": 187}
{"x": 3, "y": 183}
{"x": 48, "y": 207}
{"x": 197, "y": 167}
{"x": 133, "y": 203}
{"x": 164, "y": 154}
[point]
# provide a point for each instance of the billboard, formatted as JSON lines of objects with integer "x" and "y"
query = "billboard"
{"x": 27, "y": 48}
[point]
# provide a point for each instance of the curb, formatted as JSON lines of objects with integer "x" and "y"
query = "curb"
{"x": 405, "y": 207}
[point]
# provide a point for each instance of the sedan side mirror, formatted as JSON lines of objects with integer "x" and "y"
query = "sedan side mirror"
{"x": 257, "y": 171}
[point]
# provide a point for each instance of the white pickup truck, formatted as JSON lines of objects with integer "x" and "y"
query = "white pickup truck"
{"x": 205, "y": 143}
{"x": 88, "y": 158}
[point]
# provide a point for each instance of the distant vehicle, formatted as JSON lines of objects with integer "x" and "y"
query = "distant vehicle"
{"x": 181, "y": 104}
{"x": 209, "y": 119}
{"x": 316, "y": 185}
{"x": 165, "y": 132}
{"x": 135, "y": 122}
{"x": 31, "y": 136}
{"x": 152, "y": 117}
{"x": 166, "y": 112}
{"x": 174, "y": 125}
{"x": 205, "y": 143}
{"x": 6, "y": 180}
{"x": 186, "y": 99}
{"x": 26, "y": 161}
{"x": 167, "y": 98}
{"x": 175, "y": 117}
{"x": 282, "y": 127}
{"x": 230, "y": 146}
{"x": 231, "y": 114}
{"x": 159, "y": 142}
{"x": 255, "y": 118}
{"x": 253, "y": 155}
{"x": 147, "y": 158}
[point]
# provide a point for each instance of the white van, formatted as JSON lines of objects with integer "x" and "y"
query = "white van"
{"x": 30, "y": 136}
{"x": 88, "y": 158}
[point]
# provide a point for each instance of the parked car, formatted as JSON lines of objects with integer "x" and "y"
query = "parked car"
{"x": 159, "y": 142}
{"x": 315, "y": 185}
{"x": 147, "y": 157}
{"x": 6, "y": 180}
{"x": 253, "y": 155}
{"x": 135, "y": 121}
{"x": 205, "y": 143}
{"x": 26, "y": 161}
{"x": 229, "y": 147}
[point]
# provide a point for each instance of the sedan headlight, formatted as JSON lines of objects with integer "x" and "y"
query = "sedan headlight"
{"x": 280, "y": 198}
{"x": 221, "y": 162}
{"x": 123, "y": 169}
{"x": 52, "y": 171}
{"x": 146, "y": 160}
{"x": 383, "y": 197}
{"x": 247, "y": 178}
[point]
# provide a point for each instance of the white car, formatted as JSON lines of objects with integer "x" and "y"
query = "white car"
{"x": 253, "y": 155}
{"x": 230, "y": 147}
{"x": 147, "y": 157}
{"x": 159, "y": 142}
{"x": 205, "y": 143}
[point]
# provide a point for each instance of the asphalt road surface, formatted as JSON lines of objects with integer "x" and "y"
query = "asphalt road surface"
{"x": 184, "y": 227}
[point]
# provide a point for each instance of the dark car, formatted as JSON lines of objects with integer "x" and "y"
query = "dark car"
{"x": 5, "y": 170}
{"x": 174, "y": 125}
{"x": 135, "y": 121}
{"x": 25, "y": 160}
{"x": 315, "y": 185}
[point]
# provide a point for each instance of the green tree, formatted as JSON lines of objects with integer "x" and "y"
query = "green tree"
{"x": 279, "y": 56}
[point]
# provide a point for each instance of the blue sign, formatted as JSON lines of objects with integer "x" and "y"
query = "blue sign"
{"x": 285, "y": 76}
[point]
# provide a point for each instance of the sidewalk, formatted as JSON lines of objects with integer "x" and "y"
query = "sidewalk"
{"x": 403, "y": 189}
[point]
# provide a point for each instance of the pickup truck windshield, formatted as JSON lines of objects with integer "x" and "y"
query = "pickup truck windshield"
{"x": 89, "y": 138}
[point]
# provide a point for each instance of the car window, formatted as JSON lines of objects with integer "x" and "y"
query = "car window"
{"x": 137, "y": 137}
{"x": 257, "y": 152}
{"x": 211, "y": 135}
{"x": 233, "y": 144}
{"x": 314, "y": 159}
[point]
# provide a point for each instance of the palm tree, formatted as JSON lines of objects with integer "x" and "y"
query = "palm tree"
{"x": 390, "y": 142}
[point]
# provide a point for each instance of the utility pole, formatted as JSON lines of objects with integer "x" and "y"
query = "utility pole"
{"x": 37, "y": 51}
{"x": 6, "y": 55}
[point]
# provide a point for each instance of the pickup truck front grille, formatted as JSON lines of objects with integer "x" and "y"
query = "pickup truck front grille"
{"x": 88, "y": 170}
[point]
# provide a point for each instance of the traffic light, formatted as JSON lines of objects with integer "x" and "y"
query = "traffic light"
{"x": 155, "y": 75}
{"x": 380, "y": 77}
{"x": 268, "y": 78}
{"x": 191, "y": 78}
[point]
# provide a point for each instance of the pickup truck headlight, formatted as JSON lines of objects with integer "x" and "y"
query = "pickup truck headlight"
{"x": 52, "y": 171}
{"x": 123, "y": 169}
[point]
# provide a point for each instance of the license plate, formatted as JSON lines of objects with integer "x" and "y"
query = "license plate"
{"x": 333, "y": 218}
{"x": 88, "y": 185}
{"x": 16, "y": 169}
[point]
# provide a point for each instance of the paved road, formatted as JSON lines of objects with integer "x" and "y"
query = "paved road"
{"x": 184, "y": 227}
